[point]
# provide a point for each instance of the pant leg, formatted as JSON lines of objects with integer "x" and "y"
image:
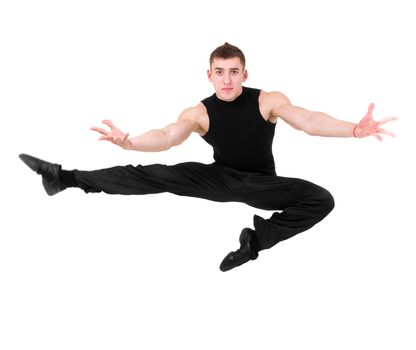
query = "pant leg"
{"x": 208, "y": 181}
{"x": 302, "y": 205}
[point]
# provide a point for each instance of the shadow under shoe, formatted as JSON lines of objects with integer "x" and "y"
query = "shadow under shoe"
{"x": 49, "y": 172}
{"x": 242, "y": 255}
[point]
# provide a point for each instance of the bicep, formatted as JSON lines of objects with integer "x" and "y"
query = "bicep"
{"x": 281, "y": 107}
{"x": 297, "y": 117}
{"x": 178, "y": 132}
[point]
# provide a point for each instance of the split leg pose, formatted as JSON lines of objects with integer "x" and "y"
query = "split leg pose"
{"x": 239, "y": 123}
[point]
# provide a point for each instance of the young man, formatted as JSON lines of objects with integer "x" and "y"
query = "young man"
{"x": 239, "y": 123}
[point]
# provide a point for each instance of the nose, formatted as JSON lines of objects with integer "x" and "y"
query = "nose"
{"x": 227, "y": 79}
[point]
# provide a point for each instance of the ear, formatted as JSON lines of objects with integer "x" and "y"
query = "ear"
{"x": 209, "y": 74}
{"x": 245, "y": 75}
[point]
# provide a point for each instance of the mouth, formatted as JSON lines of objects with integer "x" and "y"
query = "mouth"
{"x": 227, "y": 89}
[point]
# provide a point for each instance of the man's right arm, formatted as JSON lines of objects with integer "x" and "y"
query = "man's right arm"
{"x": 156, "y": 140}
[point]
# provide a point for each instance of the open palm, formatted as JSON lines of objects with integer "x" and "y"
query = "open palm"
{"x": 370, "y": 127}
{"x": 115, "y": 135}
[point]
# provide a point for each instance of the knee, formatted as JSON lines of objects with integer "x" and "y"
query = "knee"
{"x": 326, "y": 202}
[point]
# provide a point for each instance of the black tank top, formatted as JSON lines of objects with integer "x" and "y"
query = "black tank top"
{"x": 240, "y": 136}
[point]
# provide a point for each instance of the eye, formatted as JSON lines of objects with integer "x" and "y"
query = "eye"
{"x": 218, "y": 72}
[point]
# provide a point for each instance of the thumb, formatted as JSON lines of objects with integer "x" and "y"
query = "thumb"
{"x": 370, "y": 108}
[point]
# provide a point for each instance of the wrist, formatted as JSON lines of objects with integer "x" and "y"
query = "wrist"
{"x": 354, "y": 131}
{"x": 127, "y": 145}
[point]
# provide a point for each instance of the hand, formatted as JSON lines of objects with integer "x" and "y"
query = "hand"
{"x": 115, "y": 135}
{"x": 369, "y": 127}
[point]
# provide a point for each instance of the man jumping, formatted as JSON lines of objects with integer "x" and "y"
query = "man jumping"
{"x": 239, "y": 123}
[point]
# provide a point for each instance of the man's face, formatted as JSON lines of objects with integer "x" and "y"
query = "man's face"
{"x": 227, "y": 76}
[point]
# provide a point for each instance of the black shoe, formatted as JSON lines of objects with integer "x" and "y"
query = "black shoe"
{"x": 242, "y": 255}
{"x": 49, "y": 172}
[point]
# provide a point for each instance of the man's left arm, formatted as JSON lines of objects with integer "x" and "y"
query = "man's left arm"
{"x": 321, "y": 124}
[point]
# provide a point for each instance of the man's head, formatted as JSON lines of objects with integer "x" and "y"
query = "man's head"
{"x": 227, "y": 71}
{"x": 227, "y": 51}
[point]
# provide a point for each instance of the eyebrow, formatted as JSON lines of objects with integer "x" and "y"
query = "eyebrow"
{"x": 217, "y": 68}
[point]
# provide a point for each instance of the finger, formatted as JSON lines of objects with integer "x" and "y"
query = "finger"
{"x": 386, "y": 132}
{"x": 377, "y": 136}
{"x": 109, "y": 123}
{"x": 126, "y": 135}
{"x": 369, "y": 115}
{"x": 105, "y": 138}
{"x": 386, "y": 120}
{"x": 101, "y": 131}
{"x": 370, "y": 108}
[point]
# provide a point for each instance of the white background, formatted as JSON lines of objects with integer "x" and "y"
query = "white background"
{"x": 96, "y": 271}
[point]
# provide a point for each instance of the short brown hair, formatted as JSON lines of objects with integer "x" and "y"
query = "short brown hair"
{"x": 227, "y": 51}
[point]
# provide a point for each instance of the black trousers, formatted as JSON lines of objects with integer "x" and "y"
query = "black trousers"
{"x": 302, "y": 203}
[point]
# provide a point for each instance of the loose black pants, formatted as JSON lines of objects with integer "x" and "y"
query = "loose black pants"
{"x": 302, "y": 203}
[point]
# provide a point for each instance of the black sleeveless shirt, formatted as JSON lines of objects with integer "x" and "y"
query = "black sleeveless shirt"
{"x": 240, "y": 136}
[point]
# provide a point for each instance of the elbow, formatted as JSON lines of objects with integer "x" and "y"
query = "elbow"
{"x": 303, "y": 127}
{"x": 172, "y": 143}
{"x": 169, "y": 139}
{"x": 311, "y": 132}
{"x": 308, "y": 125}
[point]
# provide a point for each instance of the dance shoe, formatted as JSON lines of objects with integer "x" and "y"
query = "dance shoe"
{"x": 49, "y": 172}
{"x": 243, "y": 254}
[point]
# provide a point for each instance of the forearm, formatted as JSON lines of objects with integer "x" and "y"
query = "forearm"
{"x": 151, "y": 141}
{"x": 321, "y": 124}
{"x": 161, "y": 139}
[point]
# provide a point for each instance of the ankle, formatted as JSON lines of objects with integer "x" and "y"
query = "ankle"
{"x": 67, "y": 178}
{"x": 254, "y": 243}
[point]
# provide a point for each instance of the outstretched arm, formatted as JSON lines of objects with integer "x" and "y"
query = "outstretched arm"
{"x": 321, "y": 124}
{"x": 154, "y": 140}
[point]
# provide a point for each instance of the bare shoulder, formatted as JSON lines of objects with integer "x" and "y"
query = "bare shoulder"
{"x": 198, "y": 117}
{"x": 270, "y": 103}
